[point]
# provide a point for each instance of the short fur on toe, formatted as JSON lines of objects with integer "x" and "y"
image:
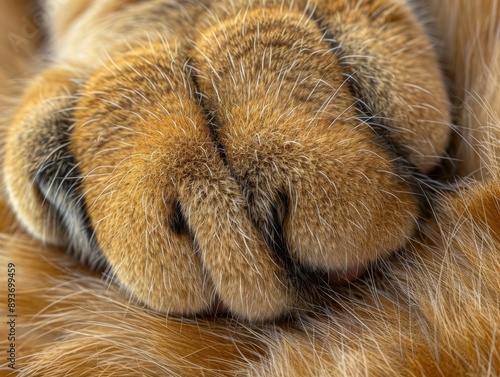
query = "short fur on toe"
{"x": 248, "y": 174}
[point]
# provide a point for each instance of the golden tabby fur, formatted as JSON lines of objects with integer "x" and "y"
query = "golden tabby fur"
{"x": 234, "y": 167}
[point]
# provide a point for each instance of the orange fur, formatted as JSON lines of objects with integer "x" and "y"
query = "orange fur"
{"x": 251, "y": 171}
{"x": 433, "y": 308}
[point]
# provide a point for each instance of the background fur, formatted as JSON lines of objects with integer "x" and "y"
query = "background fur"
{"x": 433, "y": 311}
